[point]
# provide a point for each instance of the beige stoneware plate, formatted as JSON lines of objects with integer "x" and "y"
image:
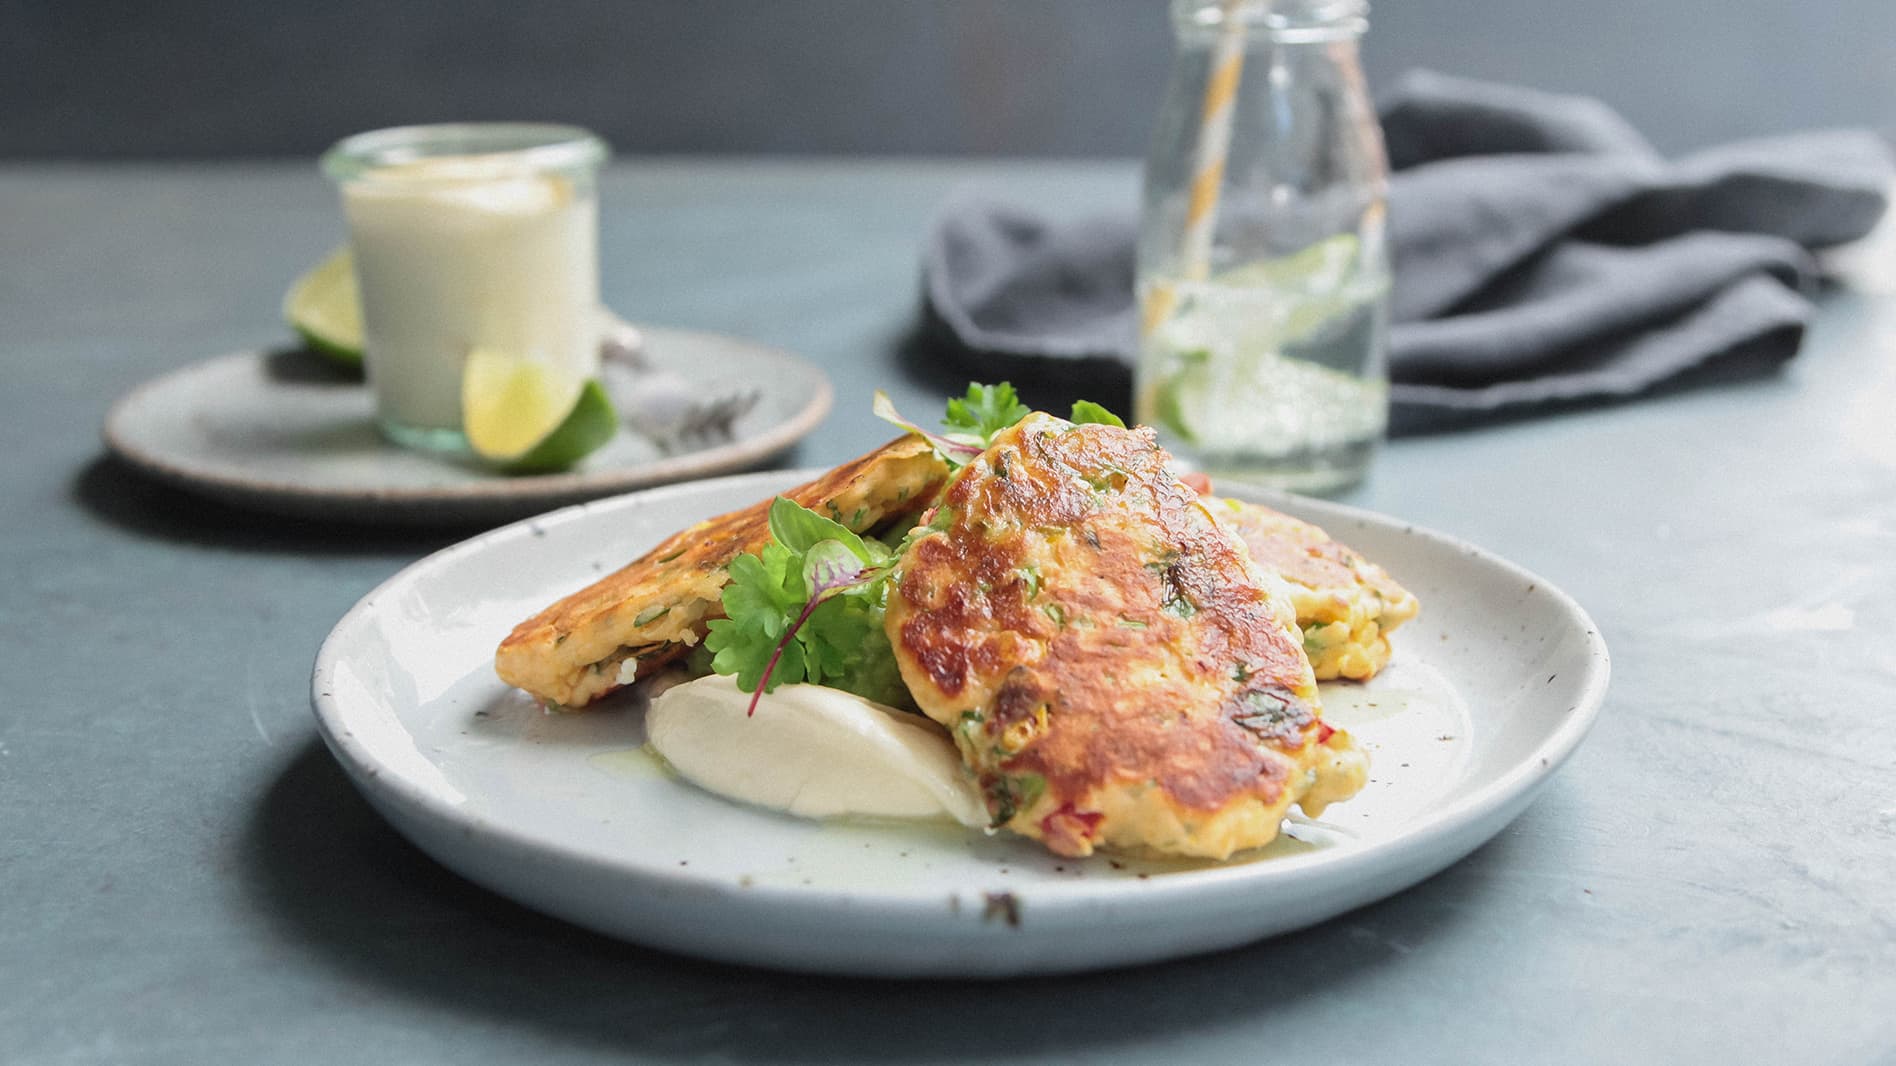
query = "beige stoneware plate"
{"x": 286, "y": 433}
{"x": 1492, "y": 688}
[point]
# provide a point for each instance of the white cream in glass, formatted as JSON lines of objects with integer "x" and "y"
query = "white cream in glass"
{"x": 469, "y": 236}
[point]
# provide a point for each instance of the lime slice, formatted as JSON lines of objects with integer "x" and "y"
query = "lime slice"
{"x": 323, "y": 308}
{"x": 529, "y": 417}
{"x": 1314, "y": 276}
{"x": 1175, "y": 400}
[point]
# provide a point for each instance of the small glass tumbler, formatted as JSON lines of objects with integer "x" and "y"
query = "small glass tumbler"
{"x": 469, "y": 236}
{"x": 1263, "y": 274}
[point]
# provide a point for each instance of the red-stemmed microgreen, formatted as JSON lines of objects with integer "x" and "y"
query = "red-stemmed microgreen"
{"x": 955, "y": 450}
{"x": 807, "y": 608}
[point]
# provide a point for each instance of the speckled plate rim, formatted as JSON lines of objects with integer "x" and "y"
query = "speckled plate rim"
{"x": 513, "y": 492}
{"x": 1345, "y": 878}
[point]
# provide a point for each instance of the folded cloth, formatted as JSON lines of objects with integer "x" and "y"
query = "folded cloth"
{"x": 1544, "y": 255}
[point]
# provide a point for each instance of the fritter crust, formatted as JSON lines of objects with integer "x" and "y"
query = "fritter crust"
{"x": 1114, "y": 668}
{"x": 1346, "y": 605}
{"x": 654, "y": 609}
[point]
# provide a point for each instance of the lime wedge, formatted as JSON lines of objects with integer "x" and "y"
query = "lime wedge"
{"x": 322, "y": 307}
{"x": 587, "y": 427}
{"x": 528, "y": 417}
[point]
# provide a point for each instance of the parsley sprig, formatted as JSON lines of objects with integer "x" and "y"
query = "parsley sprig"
{"x": 985, "y": 411}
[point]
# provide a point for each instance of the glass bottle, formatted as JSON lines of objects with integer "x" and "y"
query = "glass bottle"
{"x": 1263, "y": 272}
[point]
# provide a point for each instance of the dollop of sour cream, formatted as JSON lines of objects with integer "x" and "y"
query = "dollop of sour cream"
{"x": 812, "y": 751}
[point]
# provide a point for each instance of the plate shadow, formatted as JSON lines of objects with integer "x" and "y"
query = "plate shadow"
{"x": 348, "y": 888}
{"x": 303, "y": 366}
{"x": 114, "y": 492}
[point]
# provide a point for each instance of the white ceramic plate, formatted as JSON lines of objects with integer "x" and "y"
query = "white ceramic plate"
{"x": 287, "y": 433}
{"x": 565, "y": 813}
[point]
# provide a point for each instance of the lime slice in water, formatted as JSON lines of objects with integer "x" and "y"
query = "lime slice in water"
{"x": 1173, "y": 401}
{"x": 528, "y": 417}
{"x": 323, "y": 308}
{"x": 1314, "y": 279}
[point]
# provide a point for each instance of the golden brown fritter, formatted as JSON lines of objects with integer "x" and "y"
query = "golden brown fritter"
{"x": 1114, "y": 668}
{"x": 1346, "y": 605}
{"x": 654, "y": 609}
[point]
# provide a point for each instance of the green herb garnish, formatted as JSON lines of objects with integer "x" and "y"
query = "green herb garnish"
{"x": 974, "y": 419}
{"x": 985, "y": 411}
{"x": 1086, "y": 412}
{"x": 1008, "y": 795}
{"x": 808, "y": 608}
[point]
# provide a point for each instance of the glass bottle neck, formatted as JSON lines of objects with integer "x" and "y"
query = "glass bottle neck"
{"x": 1282, "y": 21}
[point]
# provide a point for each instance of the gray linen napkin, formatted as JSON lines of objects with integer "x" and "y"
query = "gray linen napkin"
{"x": 1545, "y": 255}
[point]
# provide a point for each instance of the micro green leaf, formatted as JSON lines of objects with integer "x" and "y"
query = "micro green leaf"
{"x": 829, "y": 566}
{"x": 954, "y": 452}
{"x": 1086, "y": 411}
{"x": 799, "y": 529}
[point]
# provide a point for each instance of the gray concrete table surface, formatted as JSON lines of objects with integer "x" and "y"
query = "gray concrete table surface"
{"x": 186, "y": 876}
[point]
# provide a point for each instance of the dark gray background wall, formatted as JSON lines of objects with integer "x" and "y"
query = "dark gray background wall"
{"x": 99, "y": 78}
